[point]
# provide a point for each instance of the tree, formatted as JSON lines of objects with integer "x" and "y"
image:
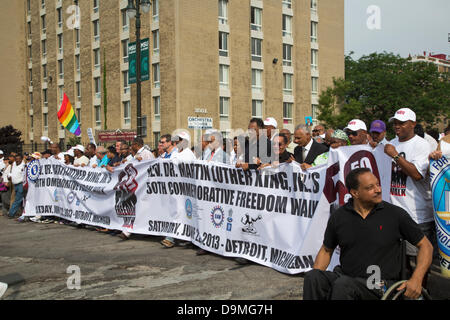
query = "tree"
{"x": 10, "y": 135}
{"x": 73, "y": 141}
{"x": 377, "y": 85}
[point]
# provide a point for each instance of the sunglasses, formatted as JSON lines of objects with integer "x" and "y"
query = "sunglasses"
{"x": 351, "y": 133}
{"x": 315, "y": 130}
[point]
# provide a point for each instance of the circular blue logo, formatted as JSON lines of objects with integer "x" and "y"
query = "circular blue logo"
{"x": 33, "y": 170}
{"x": 188, "y": 207}
{"x": 71, "y": 197}
{"x": 217, "y": 216}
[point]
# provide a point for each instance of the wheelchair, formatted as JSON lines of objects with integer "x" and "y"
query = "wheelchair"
{"x": 406, "y": 270}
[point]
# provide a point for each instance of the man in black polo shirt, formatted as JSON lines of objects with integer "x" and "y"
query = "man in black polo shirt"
{"x": 368, "y": 231}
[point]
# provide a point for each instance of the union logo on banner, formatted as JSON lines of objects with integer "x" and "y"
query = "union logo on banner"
{"x": 440, "y": 186}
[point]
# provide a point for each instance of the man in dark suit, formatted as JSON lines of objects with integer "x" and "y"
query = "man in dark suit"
{"x": 308, "y": 149}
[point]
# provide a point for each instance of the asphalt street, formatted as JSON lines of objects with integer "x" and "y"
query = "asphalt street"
{"x": 37, "y": 261}
{"x": 34, "y": 260}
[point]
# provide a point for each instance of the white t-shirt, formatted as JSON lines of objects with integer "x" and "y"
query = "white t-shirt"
{"x": 2, "y": 165}
{"x": 413, "y": 196}
{"x": 81, "y": 160}
{"x": 433, "y": 143}
{"x": 445, "y": 148}
{"x": 185, "y": 155}
{"x": 144, "y": 154}
{"x": 60, "y": 156}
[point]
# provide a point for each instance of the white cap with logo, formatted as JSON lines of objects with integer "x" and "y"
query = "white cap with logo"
{"x": 356, "y": 125}
{"x": 183, "y": 135}
{"x": 271, "y": 122}
{"x": 404, "y": 114}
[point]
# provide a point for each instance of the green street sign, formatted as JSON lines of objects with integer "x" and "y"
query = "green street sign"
{"x": 145, "y": 70}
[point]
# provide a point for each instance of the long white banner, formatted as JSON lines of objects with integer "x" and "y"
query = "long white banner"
{"x": 275, "y": 217}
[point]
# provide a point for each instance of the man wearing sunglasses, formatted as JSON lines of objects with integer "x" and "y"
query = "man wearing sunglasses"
{"x": 356, "y": 131}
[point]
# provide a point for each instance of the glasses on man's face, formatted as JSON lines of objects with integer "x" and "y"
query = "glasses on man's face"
{"x": 162, "y": 142}
{"x": 351, "y": 133}
{"x": 315, "y": 130}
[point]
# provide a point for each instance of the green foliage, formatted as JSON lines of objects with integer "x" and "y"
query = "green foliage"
{"x": 377, "y": 85}
{"x": 9, "y": 135}
{"x": 73, "y": 141}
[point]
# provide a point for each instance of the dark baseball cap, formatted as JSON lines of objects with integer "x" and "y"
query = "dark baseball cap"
{"x": 377, "y": 126}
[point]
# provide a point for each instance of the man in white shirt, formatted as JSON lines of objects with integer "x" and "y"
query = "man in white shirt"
{"x": 80, "y": 159}
{"x": 356, "y": 131}
{"x": 6, "y": 195}
{"x": 216, "y": 153}
{"x": 56, "y": 153}
{"x": 91, "y": 151}
{"x": 183, "y": 140}
{"x": 270, "y": 125}
{"x": 16, "y": 175}
{"x": 168, "y": 146}
{"x": 141, "y": 152}
{"x": 410, "y": 184}
{"x": 308, "y": 149}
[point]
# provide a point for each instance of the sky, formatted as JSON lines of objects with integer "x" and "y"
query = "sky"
{"x": 399, "y": 26}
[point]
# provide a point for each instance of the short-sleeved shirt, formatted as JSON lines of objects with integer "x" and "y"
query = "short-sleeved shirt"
{"x": 375, "y": 240}
{"x": 413, "y": 196}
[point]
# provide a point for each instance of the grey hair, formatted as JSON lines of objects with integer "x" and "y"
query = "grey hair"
{"x": 304, "y": 128}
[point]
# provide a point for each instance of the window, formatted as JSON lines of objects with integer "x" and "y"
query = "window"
{"x": 98, "y": 119}
{"x": 31, "y": 100}
{"x": 223, "y": 11}
{"x": 287, "y": 55}
{"x": 30, "y": 72}
{"x": 96, "y": 30}
{"x": 61, "y": 68}
{"x": 61, "y": 94}
{"x": 256, "y": 49}
{"x": 77, "y": 63}
{"x": 223, "y": 44}
{"x": 43, "y": 4}
{"x": 44, "y": 48}
{"x": 60, "y": 43}
{"x": 97, "y": 59}
{"x": 60, "y": 17}
{"x": 223, "y": 76}
{"x": 126, "y": 85}
{"x": 79, "y": 115}
{"x": 78, "y": 86}
{"x": 77, "y": 38}
{"x": 157, "y": 108}
{"x": 256, "y": 19}
{"x": 125, "y": 50}
{"x": 126, "y": 112}
{"x": 314, "y": 111}
{"x": 45, "y": 97}
{"x": 155, "y": 10}
{"x": 125, "y": 21}
{"x": 155, "y": 35}
{"x": 314, "y": 6}
{"x": 287, "y": 4}
{"x": 256, "y": 81}
{"x": 30, "y": 53}
{"x": 29, "y": 29}
{"x": 29, "y": 6}
{"x": 44, "y": 72}
{"x": 314, "y": 85}
{"x": 156, "y": 138}
{"x": 97, "y": 89}
{"x": 257, "y": 108}
{"x": 287, "y": 83}
{"x": 287, "y": 26}
{"x": 31, "y": 124}
{"x": 224, "y": 108}
{"x": 313, "y": 31}
{"x": 144, "y": 126}
{"x": 96, "y": 6}
{"x": 45, "y": 121}
{"x": 287, "y": 113}
{"x": 314, "y": 59}
{"x": 43, "y": 24}
{"x": 156, "y": 78}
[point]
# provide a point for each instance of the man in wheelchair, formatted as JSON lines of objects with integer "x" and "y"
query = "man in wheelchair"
{"x": 368, "y": 231}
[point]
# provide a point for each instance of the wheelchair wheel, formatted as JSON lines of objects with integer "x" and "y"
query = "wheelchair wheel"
{"x": 393, "y": 294}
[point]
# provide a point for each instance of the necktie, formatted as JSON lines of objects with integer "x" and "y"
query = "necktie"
{"x": 212, "y": 155}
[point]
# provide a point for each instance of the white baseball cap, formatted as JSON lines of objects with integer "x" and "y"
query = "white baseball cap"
{"x": 79, "y": 147}
{"x": 355, "y": 125}
{"x": 271, "y": 122}
{"x": 70, "y": 153}
{"x": 1, "y": 152}
{"x": 183, "y": 135}
{"x": 404, "y": 114}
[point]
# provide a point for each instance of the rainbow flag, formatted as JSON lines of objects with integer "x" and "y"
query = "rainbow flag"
{"x": 66, "y": 115}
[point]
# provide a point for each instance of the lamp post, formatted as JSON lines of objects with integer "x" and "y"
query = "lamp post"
{"x": 134, "y": 9}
